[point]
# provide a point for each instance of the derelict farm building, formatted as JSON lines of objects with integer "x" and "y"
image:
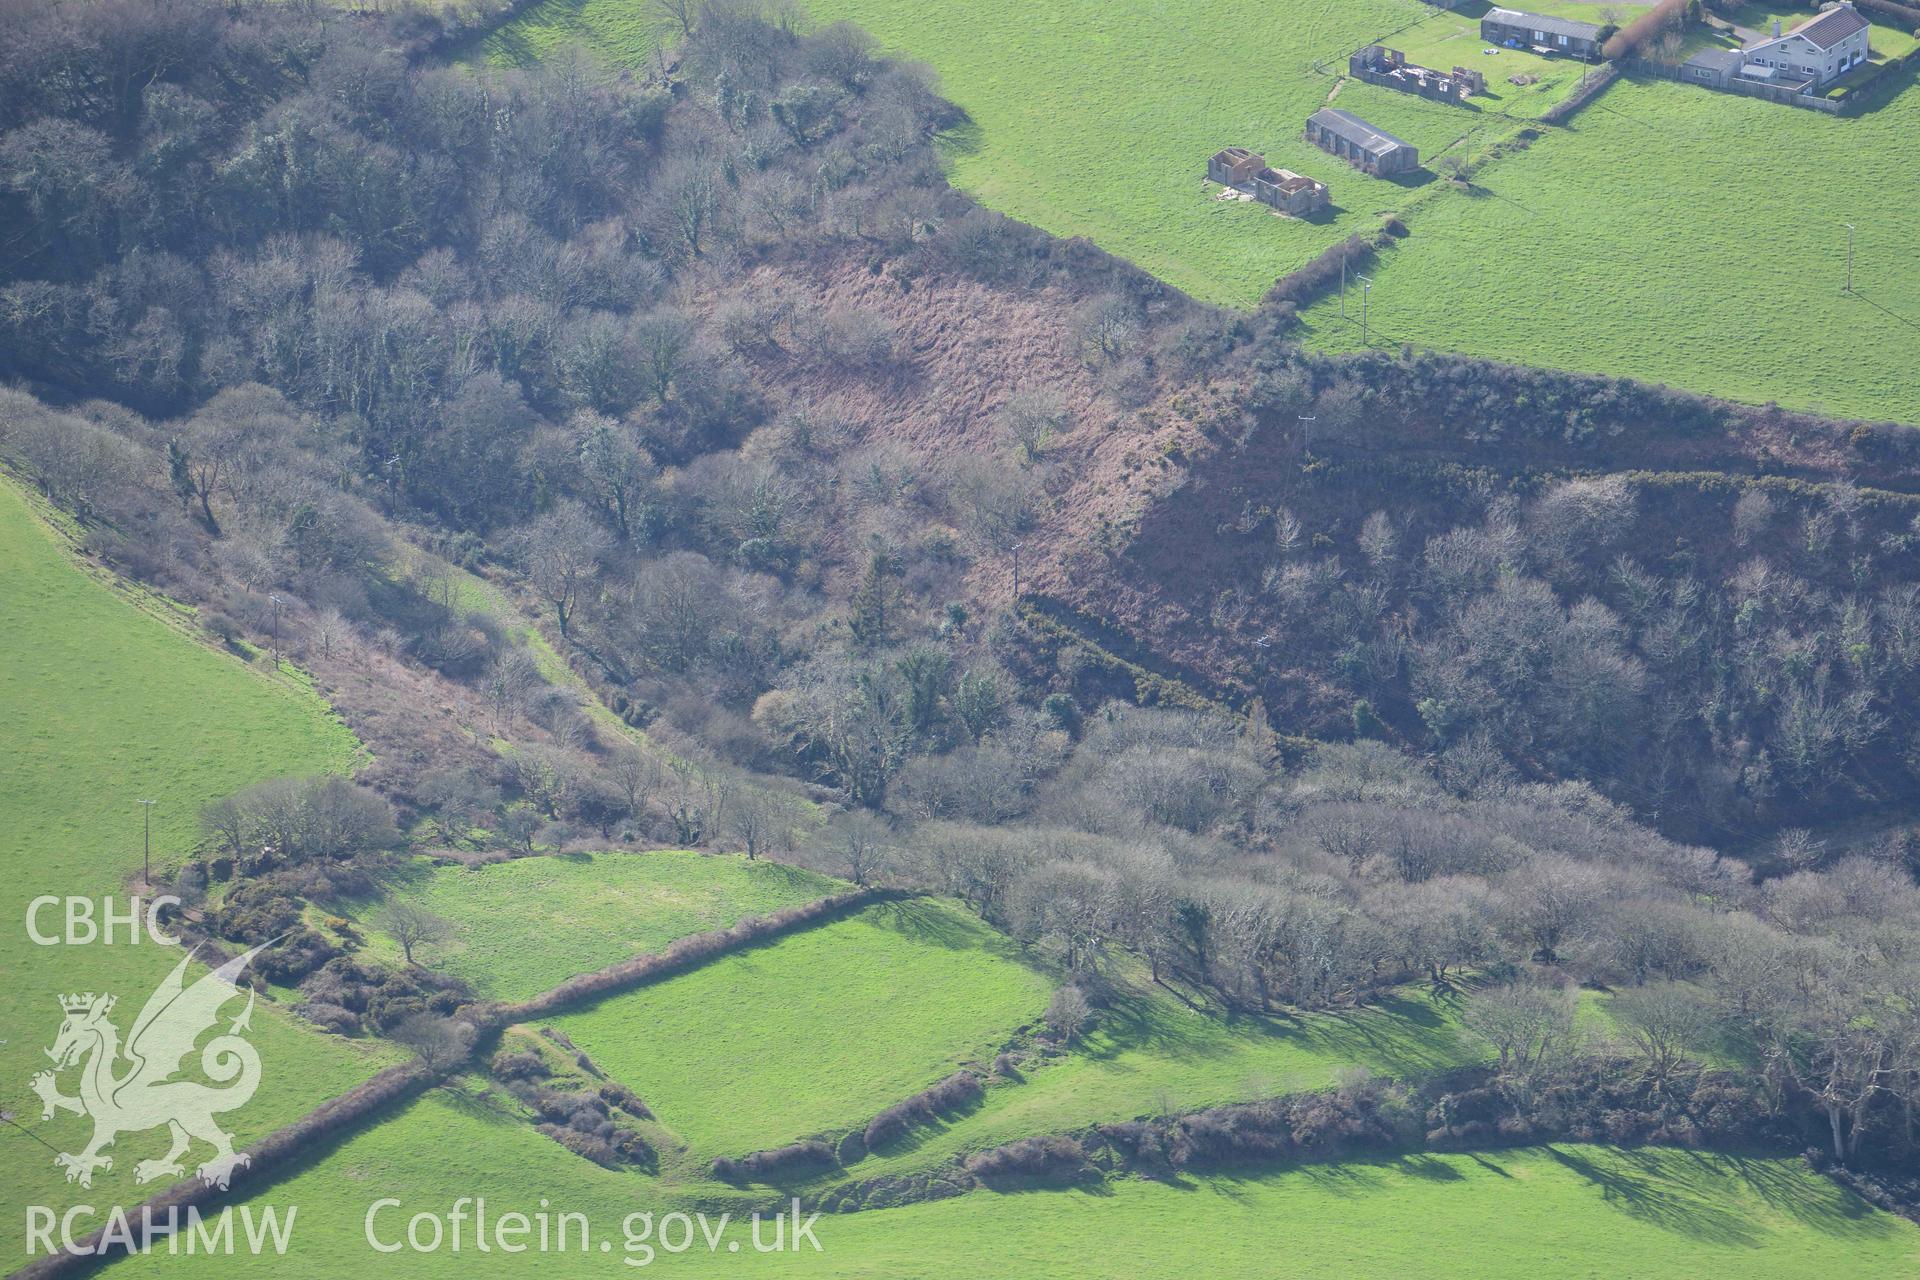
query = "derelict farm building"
{"x": 1371, "y": 150}
{"x": 1389, "y": 68}
{"x": 1541, "y": 33}
{"x": 1282, "y": 189}
{"x": 1233, "y": 166}
{"x": 1290, "y": 192}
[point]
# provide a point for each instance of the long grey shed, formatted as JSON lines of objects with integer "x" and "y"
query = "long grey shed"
{"x": 1371, "y": 150}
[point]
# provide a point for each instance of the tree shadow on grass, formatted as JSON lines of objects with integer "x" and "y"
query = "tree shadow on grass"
{"x": 469, "y": 1103}
{"x": 1499, "y": 1171}
{"x": 512, "y": 41}
{"x": 1809, "y": 1199}
{"x": 1653, "y": 1196}
{"x": 1396, "y": 1034}
{"x": 1348, "y": 1178}
{"x": 928, "y": 921}
{"x": 963, "y": 138}
{"x": 1133, "y": 1022}
{"x": 1429, "y": 1168}
{"x": 1088, "y": 1181}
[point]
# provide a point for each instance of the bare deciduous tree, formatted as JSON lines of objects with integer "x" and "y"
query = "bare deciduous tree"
{"x": 563, "y": 550}
{"x": 676, "y": 18}
{"x": 1527, "y": 1025}
{"x": 1663, "y": 1022}
{"x": 439, "y": 1042}
{"x": 412, "y": 925}
{"x": 1068, "y": 1012}
{"x": 858, "y": 844}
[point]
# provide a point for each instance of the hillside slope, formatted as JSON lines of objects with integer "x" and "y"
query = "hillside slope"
{"x": 106, "y": 704}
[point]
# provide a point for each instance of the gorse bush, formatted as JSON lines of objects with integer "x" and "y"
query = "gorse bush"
{"x": 519, "y": 1065}
{"x": 792, "y": 1160}
{"x": 1041, "y": 1157}
{"x": 959, "y": 1090}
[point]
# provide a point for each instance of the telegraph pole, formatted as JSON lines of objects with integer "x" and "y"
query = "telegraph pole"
{"x": 1366, "y": 292}
{"x": 146, "y": 855}
{"x": 1849, "y": 227}
{"x": 275, "y": 602}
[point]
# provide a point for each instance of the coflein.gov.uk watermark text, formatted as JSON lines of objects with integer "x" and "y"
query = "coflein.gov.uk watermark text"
{"x": 468, "y": 1225}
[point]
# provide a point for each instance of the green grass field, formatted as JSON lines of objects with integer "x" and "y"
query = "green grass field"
{"x": 1645, "y": 240}
{"x": 1151, "y": 1055}
{"x": 620, "y": 32}
{"x": 106, "y": 703}
{"x": 1537, "y": 1214}
{"x": 1096, "y": 118}
{"x": 523, "y": 926}
{"x": 818, "y": 1031}
{"x": 1688, "y": 271}
{"x": 1553, "y": 1213}
{"x": 822, "y": 1030}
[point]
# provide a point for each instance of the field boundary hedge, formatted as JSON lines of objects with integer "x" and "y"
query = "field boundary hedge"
{"x": 1308, "y": 283}
{"x": 1590, "y": 88}
{"x": 684, "y": 953}
{"x": 1604, "y": 1100}
{"x": 279, "y": 1149}
{"x": 955, "y": 1093}
{"x": 337, "y": 1116}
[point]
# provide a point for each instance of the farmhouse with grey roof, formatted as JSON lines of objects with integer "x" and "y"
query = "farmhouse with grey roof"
{"x": 1813, "y": 54}
{"x": 1541, "y": 33}
{"x": 1366, "y": 148}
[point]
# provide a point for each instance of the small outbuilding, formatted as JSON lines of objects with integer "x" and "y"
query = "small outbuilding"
{"x": 1715, "y": 68}
{"x": 1370, "y": 150}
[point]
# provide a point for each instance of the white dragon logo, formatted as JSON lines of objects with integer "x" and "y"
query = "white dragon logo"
{"x": 147, "y": 1094}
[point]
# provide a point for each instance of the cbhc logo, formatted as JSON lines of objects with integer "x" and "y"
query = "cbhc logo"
{"x": 85, "y": 926}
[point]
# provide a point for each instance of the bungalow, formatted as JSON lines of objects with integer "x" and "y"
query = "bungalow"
{"x": 1370, "y": 150}
{"x": 1542, "y": 34}
{"x": 1814, "y": 54}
